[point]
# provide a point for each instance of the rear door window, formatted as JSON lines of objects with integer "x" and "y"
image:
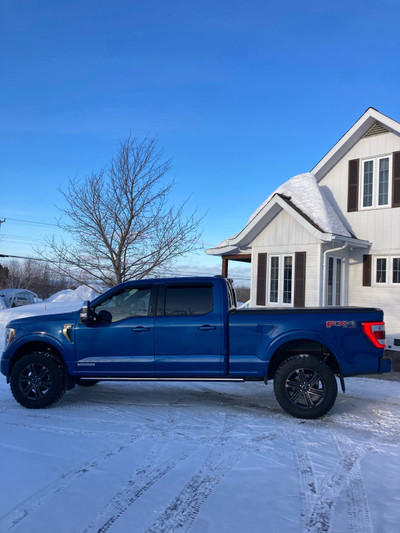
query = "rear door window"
{"x": 188, "y": 300}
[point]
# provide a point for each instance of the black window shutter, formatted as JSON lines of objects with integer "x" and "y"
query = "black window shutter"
{"x": 300, "y": 279}
{"x": 367, "y": 270}
{"x": 352, "y": 194}
{"x": 261, "y": 279}
{"x": 396, "y": 180}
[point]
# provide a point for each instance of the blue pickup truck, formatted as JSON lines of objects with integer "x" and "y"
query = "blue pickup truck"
{"x": 191, "y": 329}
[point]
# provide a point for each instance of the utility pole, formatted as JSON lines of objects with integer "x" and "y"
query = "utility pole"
{"x": 2, "y": 220}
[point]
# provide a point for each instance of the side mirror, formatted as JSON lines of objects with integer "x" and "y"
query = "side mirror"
{"x": 104, "y": 316}
{"x": 85, "y": 315}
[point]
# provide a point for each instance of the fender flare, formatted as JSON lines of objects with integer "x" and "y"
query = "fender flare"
{"x": 38, "y": 337}
{"x": 298, "y": 335}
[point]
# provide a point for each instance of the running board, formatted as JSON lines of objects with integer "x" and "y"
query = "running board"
{"x": 101, "y": 378}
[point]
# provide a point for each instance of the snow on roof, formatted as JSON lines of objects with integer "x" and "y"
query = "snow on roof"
{"x": 304, "y": 192}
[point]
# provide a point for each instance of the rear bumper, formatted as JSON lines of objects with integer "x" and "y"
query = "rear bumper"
{"x": 385, "y": 365}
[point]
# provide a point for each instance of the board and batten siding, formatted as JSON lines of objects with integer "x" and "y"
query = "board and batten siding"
{"x": 379, "y": 226}
{"x": 385, "y": 297}
{"x": 285, "y": 235}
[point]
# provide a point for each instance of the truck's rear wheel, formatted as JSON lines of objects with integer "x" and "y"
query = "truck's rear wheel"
{"x": 305, "y": 387}
{"x": 38, "y": 380}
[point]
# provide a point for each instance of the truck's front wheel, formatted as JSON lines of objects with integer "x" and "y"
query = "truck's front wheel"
{"x": 37, "y": 380}
{"x": 305, "y": 387}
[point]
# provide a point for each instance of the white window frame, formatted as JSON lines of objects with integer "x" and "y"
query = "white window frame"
{"x": 376, "y": 259}
{"x": 395, "y": 283}
{"x": 375, "y": 182}
{"x": 281, "y": 268}
{"x": 389, "y": 271}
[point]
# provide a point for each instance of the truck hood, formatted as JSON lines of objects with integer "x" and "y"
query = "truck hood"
{"x": 31, "y": 321}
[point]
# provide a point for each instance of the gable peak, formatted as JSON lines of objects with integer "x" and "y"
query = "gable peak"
{"x": 376, "y": 129}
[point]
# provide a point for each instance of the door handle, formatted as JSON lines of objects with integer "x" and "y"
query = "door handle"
{"x": 140, "y": 329}
{"x": 206, "y": 327}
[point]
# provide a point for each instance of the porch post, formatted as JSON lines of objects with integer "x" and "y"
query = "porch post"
{"x": 225, "y": 267}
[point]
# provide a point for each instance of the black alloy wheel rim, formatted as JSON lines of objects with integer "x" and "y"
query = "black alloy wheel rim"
{"x": 35, "y": 381}
{"x": 305, "y": 388}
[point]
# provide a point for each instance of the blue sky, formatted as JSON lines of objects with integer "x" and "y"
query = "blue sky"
{"x": 241, "y": 94}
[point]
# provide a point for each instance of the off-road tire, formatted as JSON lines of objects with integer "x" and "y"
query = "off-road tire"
{"x": 305, "y": 387}
{"x": 38, "y": 380}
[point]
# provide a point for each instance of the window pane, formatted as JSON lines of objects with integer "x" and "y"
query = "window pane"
{"x": 287, "y": 280}
{"x": 383, "y": 181}
{"x": 274, "y": 280}
{"x": 188, "y": 300}
{"x": 381, "y": 271}
{"x": 368, "y": 182}
{"x": 126, "y": 304}
{"x": 396, "y": 270}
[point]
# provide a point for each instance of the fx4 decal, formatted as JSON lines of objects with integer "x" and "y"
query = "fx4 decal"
{"x": 341, "y": 324}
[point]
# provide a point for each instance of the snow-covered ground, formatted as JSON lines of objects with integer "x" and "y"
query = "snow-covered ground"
{"x": 199, "y": 457}
{"x": 218, "y": 458}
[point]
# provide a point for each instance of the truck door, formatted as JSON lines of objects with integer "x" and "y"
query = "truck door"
{"x": 188, "y": 334}
{"x": 119, "y": 339}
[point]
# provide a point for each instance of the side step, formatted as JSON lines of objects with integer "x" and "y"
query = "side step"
{"x": 102, "y": 378}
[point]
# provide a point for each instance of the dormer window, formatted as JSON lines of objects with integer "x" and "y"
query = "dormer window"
{"x": 375, "y": 182}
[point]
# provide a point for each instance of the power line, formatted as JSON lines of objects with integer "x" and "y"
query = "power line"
{"x": 32, "y": 222}
{"x": 21, "y": 238}
{"x": 22, "y": 257}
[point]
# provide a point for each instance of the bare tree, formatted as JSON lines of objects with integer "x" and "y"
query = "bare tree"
{"x": 33, "y": 275}
{"x": 120, "y": 222}
{"x": 242, "y": 293}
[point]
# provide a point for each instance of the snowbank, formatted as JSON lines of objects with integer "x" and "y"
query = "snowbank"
{"x": 61, "y": 302}
{"x": 80, "y": 294}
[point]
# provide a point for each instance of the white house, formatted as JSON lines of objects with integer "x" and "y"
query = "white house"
{"x": 332, "y": 236}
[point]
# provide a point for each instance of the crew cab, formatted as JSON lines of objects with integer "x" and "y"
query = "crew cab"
{"x": 191, "y": 329}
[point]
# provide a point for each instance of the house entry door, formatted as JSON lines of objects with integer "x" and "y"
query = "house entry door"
{"x": 334, "y": 281}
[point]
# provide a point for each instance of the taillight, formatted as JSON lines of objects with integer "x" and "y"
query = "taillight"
{"x": 375, "y": 331}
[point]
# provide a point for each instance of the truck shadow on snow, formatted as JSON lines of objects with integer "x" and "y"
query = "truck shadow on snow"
{"x": 156, "y": 395}
{"x": 254, "y": 399}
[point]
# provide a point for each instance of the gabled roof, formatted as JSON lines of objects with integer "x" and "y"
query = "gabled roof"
{"x": 371, "y": 122}
{"x": 303, "y": 199}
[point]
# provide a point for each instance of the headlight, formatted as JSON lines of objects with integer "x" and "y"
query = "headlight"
{"x": 10, "y": 333}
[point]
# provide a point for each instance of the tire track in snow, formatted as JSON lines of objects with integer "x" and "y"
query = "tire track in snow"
{"x": 59, "y": 430}
{"x": 305, "y": 472}
{"x": 181, "y": 513}
{"x": 320, "y": 518}
{"x": 358, "y": 512}
{"x": 145, "y": 477}
{"x": 22, "y": 511}
{"x": 184, "y": 508}
{"x": 318, "y": 502}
